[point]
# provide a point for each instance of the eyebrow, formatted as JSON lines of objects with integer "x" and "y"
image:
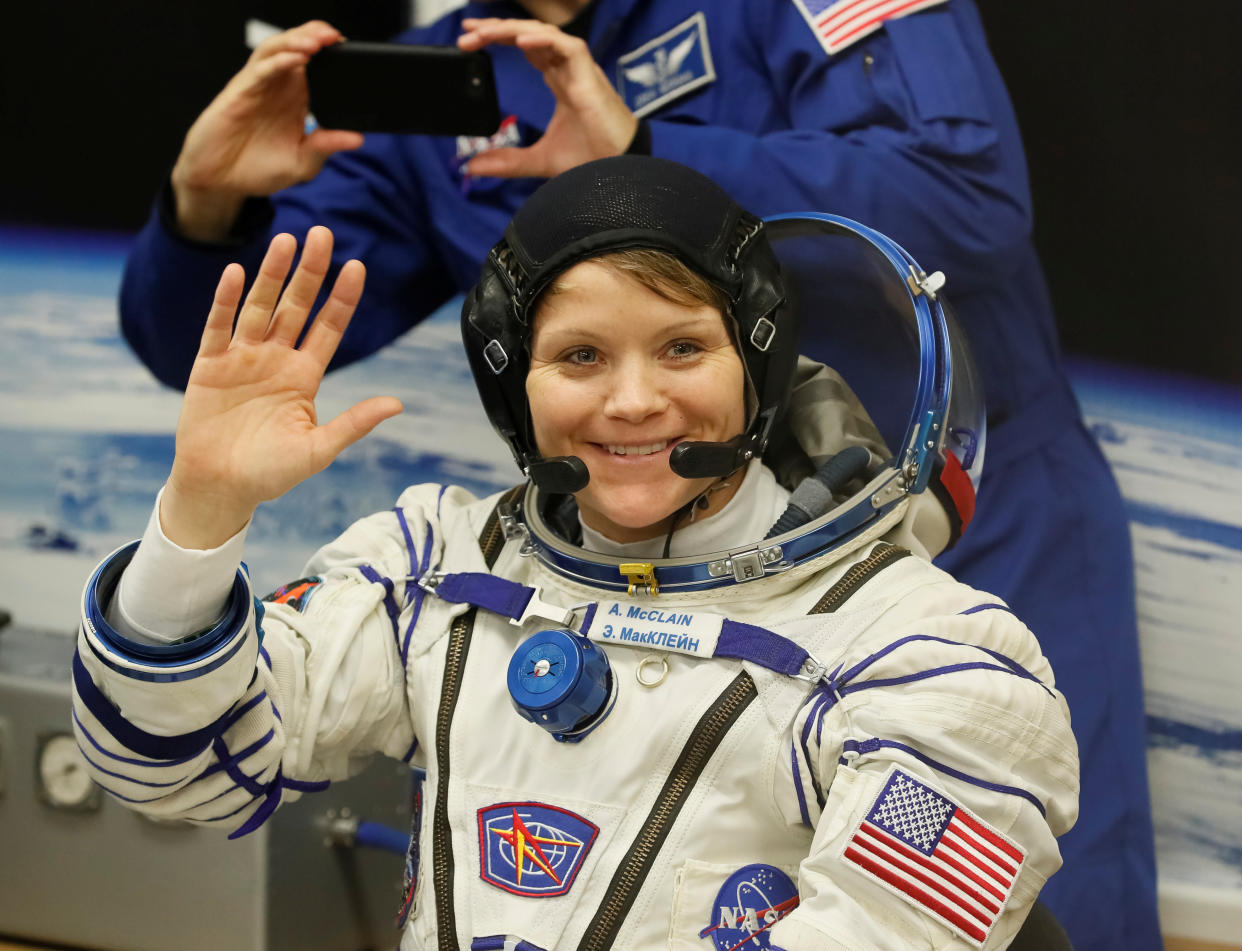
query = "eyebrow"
{"x": 691, "y": 325}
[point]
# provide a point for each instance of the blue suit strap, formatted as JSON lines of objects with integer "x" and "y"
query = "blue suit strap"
{"x": 766, "y": 648}
{"x": 498, "y": 595}
{"x": 519, "y": 602}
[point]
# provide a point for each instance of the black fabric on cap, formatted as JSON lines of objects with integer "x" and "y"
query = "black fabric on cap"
{"x": 603, "y": 197}
{"x": 630, "y": 201}
{"x": 609, "y": 198}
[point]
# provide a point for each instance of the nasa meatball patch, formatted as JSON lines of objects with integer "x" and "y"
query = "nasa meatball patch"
{"x": 533, "y": 849}
{"x": 750, "y": 901}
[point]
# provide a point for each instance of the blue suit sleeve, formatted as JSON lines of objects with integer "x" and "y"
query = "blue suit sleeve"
{"x": 373, "y": 205}
{"x": 909, "y": 131}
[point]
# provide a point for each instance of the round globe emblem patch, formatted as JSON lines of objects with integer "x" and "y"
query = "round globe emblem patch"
{"x": 750, "y": 901}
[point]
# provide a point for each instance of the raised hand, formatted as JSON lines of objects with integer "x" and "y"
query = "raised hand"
{"x": 248, "y": 431}
{"x": 590, "y": 121}
{"x": 252, "y": 139}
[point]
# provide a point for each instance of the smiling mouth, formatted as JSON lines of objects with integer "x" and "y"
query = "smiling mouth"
{"x": 644, "y": 449}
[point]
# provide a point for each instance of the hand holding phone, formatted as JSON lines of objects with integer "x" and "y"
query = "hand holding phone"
{"x": 395, "y": 87}
{"x": 252, "y": 140}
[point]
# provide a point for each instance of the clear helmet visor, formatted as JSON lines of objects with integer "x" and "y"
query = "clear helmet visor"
{"x": 867, "y": 310}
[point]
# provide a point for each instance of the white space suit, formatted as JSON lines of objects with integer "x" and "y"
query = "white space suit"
{"x": 903, "y": 789}
{"x": 817, "y": 740}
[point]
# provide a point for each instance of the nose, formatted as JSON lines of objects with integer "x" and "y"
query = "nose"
{"x": 635, "y": 392}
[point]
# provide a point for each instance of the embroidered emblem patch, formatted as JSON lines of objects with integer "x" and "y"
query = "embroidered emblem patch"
{"x": 410, "y": 883}
{"x": 468, "y": 146}
{"x": 667, "y": 68}
{"x": 937, "y": 856}
{"x": 533, "y": 849}
{"x": 843, "y": 22}
{"x": 296, "y": 594}
{"x": 751, "y": 901}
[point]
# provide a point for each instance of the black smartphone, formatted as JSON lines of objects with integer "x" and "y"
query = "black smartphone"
{"x": 394, "y": 87}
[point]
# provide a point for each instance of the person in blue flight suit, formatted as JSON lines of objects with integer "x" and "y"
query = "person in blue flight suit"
{"x": 893, "y": 114}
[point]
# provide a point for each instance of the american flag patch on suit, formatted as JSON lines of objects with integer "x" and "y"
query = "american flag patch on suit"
{"x": 841, "y": 23}
{"x": 936, "y": 855}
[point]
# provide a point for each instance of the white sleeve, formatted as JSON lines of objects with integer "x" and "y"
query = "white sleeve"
{"x": 938, "y": 767}
{"x": 278, "y": 698}
{"x": 168, "y": 592}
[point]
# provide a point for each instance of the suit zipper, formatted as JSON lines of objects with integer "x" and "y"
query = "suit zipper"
{"x": 637, "y": 863}
{"x": 883, "y": 555}
{"x": 454, "y": 663}
{"x": 710, "y": 731}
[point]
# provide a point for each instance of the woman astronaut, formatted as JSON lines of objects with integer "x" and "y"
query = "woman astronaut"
{"x": 660, "y": 701}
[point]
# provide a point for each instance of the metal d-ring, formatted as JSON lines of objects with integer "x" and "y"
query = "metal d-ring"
{"x": 652, "y": 659}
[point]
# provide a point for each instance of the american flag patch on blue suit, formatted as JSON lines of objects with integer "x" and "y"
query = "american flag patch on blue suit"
{"x": 937, "y": 856}
{"x": 840, "y": 23}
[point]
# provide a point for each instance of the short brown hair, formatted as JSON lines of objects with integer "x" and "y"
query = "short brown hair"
{"x": 663, "y": 274}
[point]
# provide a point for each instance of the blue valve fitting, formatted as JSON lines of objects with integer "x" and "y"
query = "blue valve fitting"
{"x": 561, "y": 681}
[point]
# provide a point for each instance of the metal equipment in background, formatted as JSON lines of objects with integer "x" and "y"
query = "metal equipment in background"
{"x": 78, "y": 869}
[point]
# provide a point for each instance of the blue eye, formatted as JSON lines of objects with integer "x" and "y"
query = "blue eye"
{"x": 683, "y": 348}
{"x": 581, "y": 355}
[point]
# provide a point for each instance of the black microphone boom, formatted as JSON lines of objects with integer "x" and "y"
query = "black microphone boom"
{"x": 560, "y": 475}
{"x": 703, "y": 460}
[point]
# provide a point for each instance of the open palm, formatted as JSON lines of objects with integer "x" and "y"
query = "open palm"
{"x": 248, "y": 430}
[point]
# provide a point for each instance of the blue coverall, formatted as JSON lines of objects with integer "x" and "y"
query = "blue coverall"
{"x": 909, "y": 130}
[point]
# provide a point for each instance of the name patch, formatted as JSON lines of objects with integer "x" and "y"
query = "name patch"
{"x": 667, "y": 68}
{"x": 643, "y": 625}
